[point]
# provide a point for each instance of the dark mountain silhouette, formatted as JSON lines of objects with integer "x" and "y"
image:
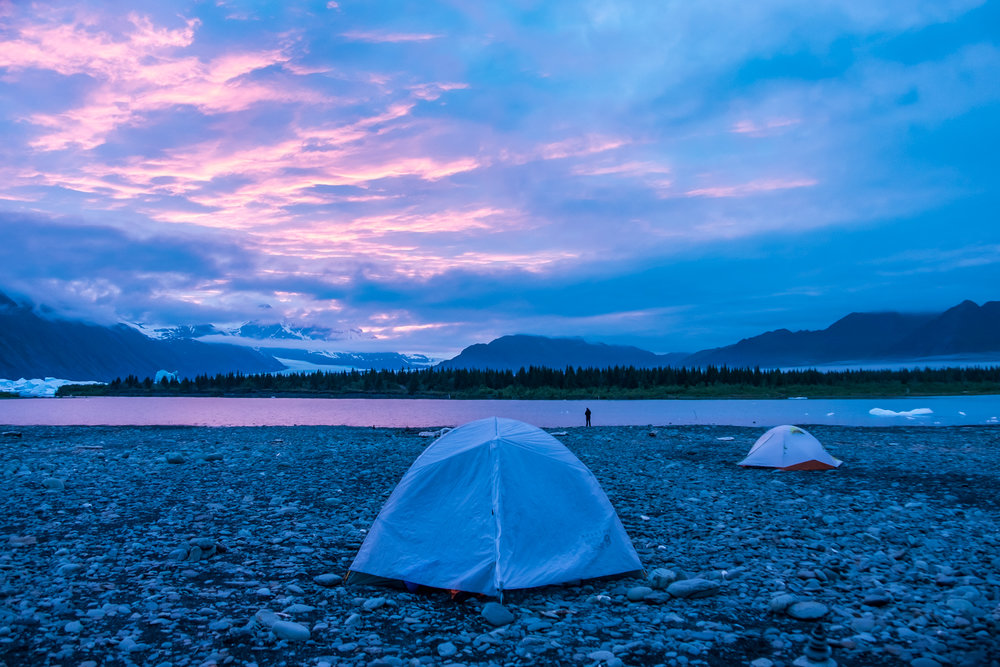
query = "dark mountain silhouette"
{"x": 521, "y": 351}
{"x": 857, "y": 336}
{"x": 966, "y": 331}
{"x": 33, "y": 346}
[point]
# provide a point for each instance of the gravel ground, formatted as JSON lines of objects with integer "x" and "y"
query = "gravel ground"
{"x": 225, "y": 546}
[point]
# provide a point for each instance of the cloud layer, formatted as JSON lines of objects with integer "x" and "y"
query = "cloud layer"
{"x": 672, "y": 175}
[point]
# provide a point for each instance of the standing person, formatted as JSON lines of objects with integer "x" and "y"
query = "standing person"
{"x": 587, "y": 415}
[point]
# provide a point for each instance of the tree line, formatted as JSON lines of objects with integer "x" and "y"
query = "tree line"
{"x": 542, "y": 382}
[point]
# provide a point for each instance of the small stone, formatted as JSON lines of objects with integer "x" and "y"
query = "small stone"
{"x": 74, "y": 627}
{"x": 298, "y": 609}
{"x": 179, "y": 554}
{"x": 264, "y": 592}
{"x": 601, "y": 656}
{"x": 877, "y": 599}
{"x": 174, "y": 457}
{"x": 213, "y": 456}
{"x": 863, "y": 624}
{"x": 924, "y": 662}
{"x": 266, "y": 618}
{"x": 447, "y": 649}
{"x": 371, "y": 604}
{"x": 327, "y": 580}
{"x": 693, "y": 588}
{"x": 780, "y": 603}
{"x": 496, "y": 614}
{"x": 761, "y": 662}
{"x": 53, "y": 484}
{"x": 963, "y": 607}
{"x": 638, "y": 593}
{"x": 220, "y": 626}
{"x": 808, "y": 610}
{"x": 293, "y": 632}
{"x": 661, "y": 577}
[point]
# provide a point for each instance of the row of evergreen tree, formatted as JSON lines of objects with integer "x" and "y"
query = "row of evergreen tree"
{"x": 599, "y": 381}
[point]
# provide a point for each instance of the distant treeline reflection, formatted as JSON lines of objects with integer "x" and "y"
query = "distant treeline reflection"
{"x": 547, "y": 383}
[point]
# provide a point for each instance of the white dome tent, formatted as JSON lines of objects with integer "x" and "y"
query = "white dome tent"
{"x": 789, "y": 448}
{"x": 495, "y": 505}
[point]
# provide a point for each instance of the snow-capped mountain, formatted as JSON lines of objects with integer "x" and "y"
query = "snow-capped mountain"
{"x": 254, "y": 331}
{"x": 298, "y": 348}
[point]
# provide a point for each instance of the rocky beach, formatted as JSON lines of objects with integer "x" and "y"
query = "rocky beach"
{"x": 187, "y": 546}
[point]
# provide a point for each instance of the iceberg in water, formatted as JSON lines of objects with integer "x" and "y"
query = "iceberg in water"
{"x": 909, "y": 414}
{"x": 38, "y": 387}
{"x": 165, "y": 375}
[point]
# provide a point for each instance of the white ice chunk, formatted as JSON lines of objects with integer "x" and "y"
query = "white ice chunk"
{"x": 161, "y": 374}
{"x": 909, "y": 414}
{"x": 38, "y": 387}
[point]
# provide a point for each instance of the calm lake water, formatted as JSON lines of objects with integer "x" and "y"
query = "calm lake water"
{"x": 126, "y": 411}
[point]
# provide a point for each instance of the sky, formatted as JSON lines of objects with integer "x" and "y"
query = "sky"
{"x": 675, "y": 175}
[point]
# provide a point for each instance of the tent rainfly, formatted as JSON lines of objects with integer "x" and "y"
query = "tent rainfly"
{"x": 789, "y": 448}
{"x": 495, "y": 505}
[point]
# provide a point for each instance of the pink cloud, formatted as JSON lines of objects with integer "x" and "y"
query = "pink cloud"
{"x": 142, "y": 71}
{"x": 751, "y": 188}
{"x": 576, "y": 146}
{"x": 387, "y": 37}
{"x": 763, "y": 129}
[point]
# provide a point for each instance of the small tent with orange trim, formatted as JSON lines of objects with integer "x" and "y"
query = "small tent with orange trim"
{"x": 789, "y": 448}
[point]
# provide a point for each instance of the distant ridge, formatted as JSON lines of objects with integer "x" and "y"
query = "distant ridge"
{"x": 966, "y": 331}
{"x": 32, "y": 346}
{"x": 522, "y": 351}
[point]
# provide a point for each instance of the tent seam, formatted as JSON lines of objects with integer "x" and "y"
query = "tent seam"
{"x": 495, "y": 501}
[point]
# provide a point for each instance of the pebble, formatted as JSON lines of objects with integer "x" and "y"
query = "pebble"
{"x": 780, "y": 603}
{"x": 327, "y": 580}
{"x": 693, "y": 588}
{"x": 638, "y": 593}
{"x": 661, "y": 577}
{"x": 174, "y": 457}
{"x": 291, "y": 631}
{"x": 446, "y": 649}
{"x": 371, "y": 604}
{"x": 496, "y": 614}
{"x": 808, "y": 610}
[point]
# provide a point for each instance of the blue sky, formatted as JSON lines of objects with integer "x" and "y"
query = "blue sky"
{"x": 674, "y": 175}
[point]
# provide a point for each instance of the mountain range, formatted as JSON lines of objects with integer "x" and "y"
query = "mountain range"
{"x": 33, "y": 346}
{"x": 965, "y": 333}
{"x": 35, "y": 343}
{"x": 521, "y": 351}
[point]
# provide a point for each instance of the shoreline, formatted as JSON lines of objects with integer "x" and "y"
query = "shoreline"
{"x": 900, "y": 546}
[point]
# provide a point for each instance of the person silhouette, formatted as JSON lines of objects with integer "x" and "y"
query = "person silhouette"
{"x": 587, "y": 415}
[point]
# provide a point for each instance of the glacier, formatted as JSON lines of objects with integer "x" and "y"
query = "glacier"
{"x": 38, "y": 387}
